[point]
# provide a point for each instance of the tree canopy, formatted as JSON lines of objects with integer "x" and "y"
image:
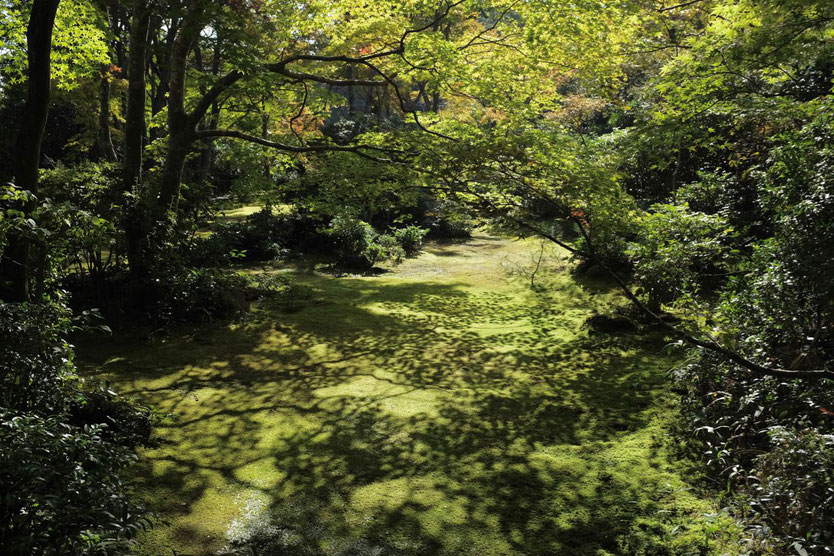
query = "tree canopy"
{"x": 683, "y": 150}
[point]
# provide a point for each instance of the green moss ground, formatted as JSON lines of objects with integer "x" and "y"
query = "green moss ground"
{"x": 444, "y": 407}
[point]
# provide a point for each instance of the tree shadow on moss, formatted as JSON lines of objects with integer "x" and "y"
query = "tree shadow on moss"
{"x": 401, "y": 418}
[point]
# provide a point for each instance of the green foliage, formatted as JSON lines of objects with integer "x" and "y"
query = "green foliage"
{"x": 37, "y": 371}
{"x": 794, "y": 489}
{"x": 690, "y": 144}
{"x": 262, "y": 236}
{"x": 446, "y": 221}
{"x": 64, "y": 449}
{"x": 79, "y": 46}
{"x": 736, "y": 131}
{"x": 84, "y": 205}
{"x": 63, "y": 492}
{"x": 358, "y": 245}
{"x": 283, "y": 288}
{"x": 410, "y": 239}
{"x": 184, "y": 294}
{"x": 674, "y": 249}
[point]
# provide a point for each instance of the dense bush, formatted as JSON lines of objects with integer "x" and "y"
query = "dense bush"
{"x": 62, "y": 490}
{"x": 63, "y": 448}
{"x": 254, "y": 239}
{"x": 282, "y": 288}
{"x": 35, "y": 360}
{"x": 794, "y": 490}
{"x": 194, "y": 294}
{"x": 770, "y": 440}
{"x": 84, "y": 208}
{"x": 675, "y": 250}
{"x": 769, "y": 443}
{"x": 267, "y": 235}
{"x": 449, "y": 224}
{"x": 410, "y": 239}
{"x": 262, "y": 236}
{"x": 357, "y": 244}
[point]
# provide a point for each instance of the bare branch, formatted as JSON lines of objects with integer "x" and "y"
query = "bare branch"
{"x": 300, "y": 113}
{"x": 681, "y": 5}
{"x": 280, "y": 68}
{"x": 358, "y": 150}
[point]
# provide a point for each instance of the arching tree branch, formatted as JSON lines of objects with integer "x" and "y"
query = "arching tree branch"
{"x": 359, "y": 150}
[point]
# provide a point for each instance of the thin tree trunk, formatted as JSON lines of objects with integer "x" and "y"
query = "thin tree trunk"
{"x": 15, "y": 264}
{"x": 265, "y": 135}
{"x": 351, "y": 97}
{"x": 104, "y": 143}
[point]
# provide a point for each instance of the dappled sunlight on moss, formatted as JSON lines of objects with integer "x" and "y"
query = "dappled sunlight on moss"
{"x": 445, "y": 407}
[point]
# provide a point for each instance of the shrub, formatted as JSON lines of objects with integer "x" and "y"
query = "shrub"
{"x": 444, "y": 218}
{"x": 352, "y": 239}
{"x": 62, "y": 490}
{"x": 410, "y": 239}
{"x": 257, "y": 238}
{"x": 121, "y": 419}
{"x": 82, "y": 208}
{"x": 766, "y": 441}
{"x": 795, "y": 488}
{"x": 387, "y": 247}
{"x": 674, "y": 248}
{"x": 35, "y": 362}
{"x": 283, "y": 288}
{"x": 358, "y": 245}
{"x": 63, "y": 449}
{"x": 193, "y": 294}
{"x": 262, "y": 236}
{"x": 450, "y": 225}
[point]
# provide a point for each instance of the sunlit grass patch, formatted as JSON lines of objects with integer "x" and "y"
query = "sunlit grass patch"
{"x": 445, "y": 407}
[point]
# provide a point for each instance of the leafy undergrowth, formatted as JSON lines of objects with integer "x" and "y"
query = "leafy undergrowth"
{"x": 445, "y": 407}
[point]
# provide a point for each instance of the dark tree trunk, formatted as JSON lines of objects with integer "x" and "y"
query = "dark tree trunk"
{"x": 351, "y": 97}
{"x": 435, "y": 102}
{"x": 15, "y": 265}
{"x": 135, "y": 224}
{"x": 135, "y": 116}
{"x": 179, "y": 145}
{"x": 161, "y": 67}
{"x": 180, "y": 133}
{"x": 265, "y": 135}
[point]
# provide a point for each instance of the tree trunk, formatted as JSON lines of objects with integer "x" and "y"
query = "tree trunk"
{"x": 135, "y": 116}
{"x": 136, "y": 222}
{"x": 181, "y": 127}
{"x": 265, "y": 135}
{"x": 351, "y": 97}
{"x": 179, "y": 145}
{"x": 15, "y": 264}
{"x": 104, "y": 143}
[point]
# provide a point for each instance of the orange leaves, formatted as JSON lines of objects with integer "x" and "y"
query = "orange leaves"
{"x": 306, "y": 121}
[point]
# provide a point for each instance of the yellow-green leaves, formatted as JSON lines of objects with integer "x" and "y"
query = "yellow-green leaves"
{"x": 79, "y": 46}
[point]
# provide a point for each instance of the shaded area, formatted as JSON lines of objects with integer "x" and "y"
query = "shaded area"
{"x": 460, "y": 414}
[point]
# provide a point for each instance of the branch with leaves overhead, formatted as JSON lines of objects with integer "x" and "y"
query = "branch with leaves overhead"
{"x": 284, "y": 68}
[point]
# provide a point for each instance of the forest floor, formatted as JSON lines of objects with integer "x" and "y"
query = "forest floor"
{"x": 442, "y": 407}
